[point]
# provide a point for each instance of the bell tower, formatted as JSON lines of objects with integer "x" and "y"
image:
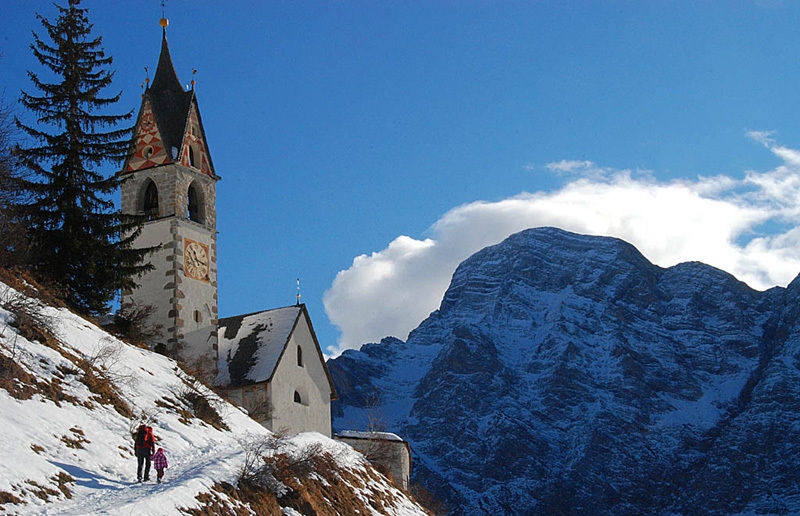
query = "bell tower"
{"x": 170, "y": 178}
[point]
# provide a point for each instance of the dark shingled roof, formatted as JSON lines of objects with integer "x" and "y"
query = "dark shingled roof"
{"x": 170, "y": 102}
{"x": 252, "y": 345}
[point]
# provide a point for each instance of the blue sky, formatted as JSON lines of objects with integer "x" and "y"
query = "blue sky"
{"x": 368, "y": 147}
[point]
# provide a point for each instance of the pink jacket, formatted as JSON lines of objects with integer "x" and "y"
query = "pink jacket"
{"x": 160, "y": 460}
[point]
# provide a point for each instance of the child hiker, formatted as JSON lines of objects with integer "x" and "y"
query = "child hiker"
{"x": 160, "y": 463}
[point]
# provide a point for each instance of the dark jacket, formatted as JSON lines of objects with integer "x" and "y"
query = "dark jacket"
{"x": 144, "y": 438}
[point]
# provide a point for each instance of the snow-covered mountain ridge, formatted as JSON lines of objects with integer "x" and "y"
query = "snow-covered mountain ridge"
{"x": 566, "y": 374}
{"x": 71, "y": 394}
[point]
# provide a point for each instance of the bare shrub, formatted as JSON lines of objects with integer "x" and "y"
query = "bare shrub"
{"x": 269, "y": 463}
{"x": 134, "y": 322}
{"x": 108, "y": 361}
{"x": 100, "y": 376}
{"x": 15, "y": 380}
{"x": 204, "y": 404}
{"x": 145, "y": 417}
{"x": 28, "y": 317}
{"x": 202, "y": 369}
{"x": 258, "y": 470}
{"x": 260, "y": 409}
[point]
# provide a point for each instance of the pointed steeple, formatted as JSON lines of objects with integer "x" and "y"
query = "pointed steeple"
{"x": 169, "y": 129}
{"x": 166, "y": 78}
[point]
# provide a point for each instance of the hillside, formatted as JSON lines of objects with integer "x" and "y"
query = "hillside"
{"x": 71, "y": 394}
{"x": 566, "y": 374}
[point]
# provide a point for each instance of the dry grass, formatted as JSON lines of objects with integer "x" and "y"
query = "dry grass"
{"x": 77, "y": 440}
{"x": 61, "y": 480}
{"x": 22, "y": 385}
{"x": 23, "y": 282}
{"x": 185, "y": 416}
{"x": 42, "y": 492}
{"x": 6, "y": 497}
{"x": 227, "y": 500}
{"x": 200, "y": 399}
{"x": 316, "y": 486}
{"x": 105, "y": 392}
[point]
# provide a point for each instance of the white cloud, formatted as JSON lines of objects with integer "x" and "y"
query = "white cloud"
{"x": 718, "y": 220}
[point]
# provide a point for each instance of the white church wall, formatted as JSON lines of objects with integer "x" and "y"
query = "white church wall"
{"x": 152, "y": 284}
{"x": 313, "y": 412}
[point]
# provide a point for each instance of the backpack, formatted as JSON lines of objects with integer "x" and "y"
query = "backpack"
{"x": 140, "y": 438}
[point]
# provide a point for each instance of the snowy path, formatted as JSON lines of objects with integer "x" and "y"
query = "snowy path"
{"x": 112, "y": 495}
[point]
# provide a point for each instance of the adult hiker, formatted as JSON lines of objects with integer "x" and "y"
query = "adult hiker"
{"x": 144, "y": 446}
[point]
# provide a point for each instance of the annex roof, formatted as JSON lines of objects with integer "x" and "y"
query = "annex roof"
{"x": 251, "y": 345}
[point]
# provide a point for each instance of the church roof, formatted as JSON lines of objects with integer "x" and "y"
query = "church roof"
{"x": 251, "y": 345}
{"x": 171, "y": 104}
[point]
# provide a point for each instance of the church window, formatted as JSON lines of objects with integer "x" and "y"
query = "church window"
{"x": 195, "y": 205}
{"x": 147, "y": 152}
{"x": 151, "y": 200}
{"x": 198, "y": 317}
{"x": 299, "y": 356}
{"x": 194, "y": 156}
{"x": 297, "y": 398}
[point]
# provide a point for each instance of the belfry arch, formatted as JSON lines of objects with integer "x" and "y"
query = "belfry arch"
{"x": 195, "y": 204}
{"x": 149, "y": 202}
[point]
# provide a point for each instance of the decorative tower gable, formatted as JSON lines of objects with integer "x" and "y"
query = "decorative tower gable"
{"x": 149, "y": 149}
{"x": 194, "y": 153}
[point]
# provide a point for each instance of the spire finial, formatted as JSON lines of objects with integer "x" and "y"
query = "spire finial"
{"x": 164, "y": 22}
{"x": 298, "y": 291}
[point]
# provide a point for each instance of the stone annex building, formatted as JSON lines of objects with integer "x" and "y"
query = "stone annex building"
{"x": 270, "y": 363}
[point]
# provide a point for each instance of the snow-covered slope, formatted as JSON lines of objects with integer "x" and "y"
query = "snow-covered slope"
{"x": 67, "y": 408}
{"x": 565, "y": 374}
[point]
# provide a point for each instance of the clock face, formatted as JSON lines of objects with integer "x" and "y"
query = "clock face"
{"x": 195, "y": 260}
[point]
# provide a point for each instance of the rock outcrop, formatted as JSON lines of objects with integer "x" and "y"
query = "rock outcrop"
{"x": 566, "y": 374}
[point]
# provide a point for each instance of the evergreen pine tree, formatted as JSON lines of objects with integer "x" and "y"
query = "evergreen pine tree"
{"x": 13, "y": 242}
{"x": 78, "y": 241}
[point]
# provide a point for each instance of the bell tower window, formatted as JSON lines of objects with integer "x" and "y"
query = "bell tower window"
{"x": 195, "y": 205}
{"x": 192, "y": 157}
{"x": 150, "y": 206}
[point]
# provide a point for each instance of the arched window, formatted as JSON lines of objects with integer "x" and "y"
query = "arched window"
{"x": 151, "y": 200}
{"x": 297, "y": 398}
{"x": 299, "y": 356}
{"x": 195, "y": 205}
{"x": 192, "y": 162}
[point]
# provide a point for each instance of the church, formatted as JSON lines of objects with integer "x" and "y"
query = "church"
{"x": 270, "y": 363}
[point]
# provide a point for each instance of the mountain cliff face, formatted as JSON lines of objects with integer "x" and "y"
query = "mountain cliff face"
{"x": 566, "y": 374}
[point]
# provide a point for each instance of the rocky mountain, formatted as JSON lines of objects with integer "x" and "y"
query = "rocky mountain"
{"x": 566, "y": 374}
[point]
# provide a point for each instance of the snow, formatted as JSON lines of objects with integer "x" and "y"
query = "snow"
{"x": 274, "y": 328}
{"x": 355, "y": 434}
{"x": 92, "y": 443}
